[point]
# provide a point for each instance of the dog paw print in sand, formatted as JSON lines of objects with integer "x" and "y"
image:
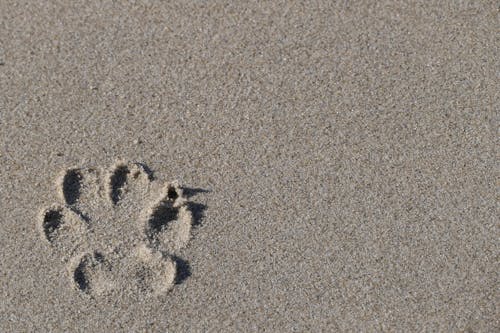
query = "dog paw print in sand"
{"x": 118, "y": 231}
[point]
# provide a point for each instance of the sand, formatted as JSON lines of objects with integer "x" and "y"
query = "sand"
{"x": 241, "y": 167}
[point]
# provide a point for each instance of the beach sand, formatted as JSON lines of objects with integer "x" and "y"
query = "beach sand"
{"x": 245, "y": 167}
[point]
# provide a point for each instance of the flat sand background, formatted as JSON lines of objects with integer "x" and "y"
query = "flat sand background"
{"x": 347, "y": 153}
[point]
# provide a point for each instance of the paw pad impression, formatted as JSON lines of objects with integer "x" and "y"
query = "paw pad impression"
{"x": 117, "y": 230}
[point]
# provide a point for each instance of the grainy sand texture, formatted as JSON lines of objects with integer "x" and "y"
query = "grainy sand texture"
{"x": 284, "y": 166}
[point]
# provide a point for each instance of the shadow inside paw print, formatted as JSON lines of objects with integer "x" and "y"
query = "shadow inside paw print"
{"x": 121, "y": 230}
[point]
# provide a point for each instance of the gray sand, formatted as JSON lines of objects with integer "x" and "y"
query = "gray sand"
{"x": 338, "y": 161}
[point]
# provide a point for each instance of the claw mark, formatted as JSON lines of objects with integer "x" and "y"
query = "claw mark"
{"x": 172, "y": 193}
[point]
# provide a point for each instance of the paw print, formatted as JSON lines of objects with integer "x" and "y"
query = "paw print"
{"x": 117, "y": 231}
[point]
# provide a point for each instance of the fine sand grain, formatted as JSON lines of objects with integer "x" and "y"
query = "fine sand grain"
{"x": 285, "y": 166}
